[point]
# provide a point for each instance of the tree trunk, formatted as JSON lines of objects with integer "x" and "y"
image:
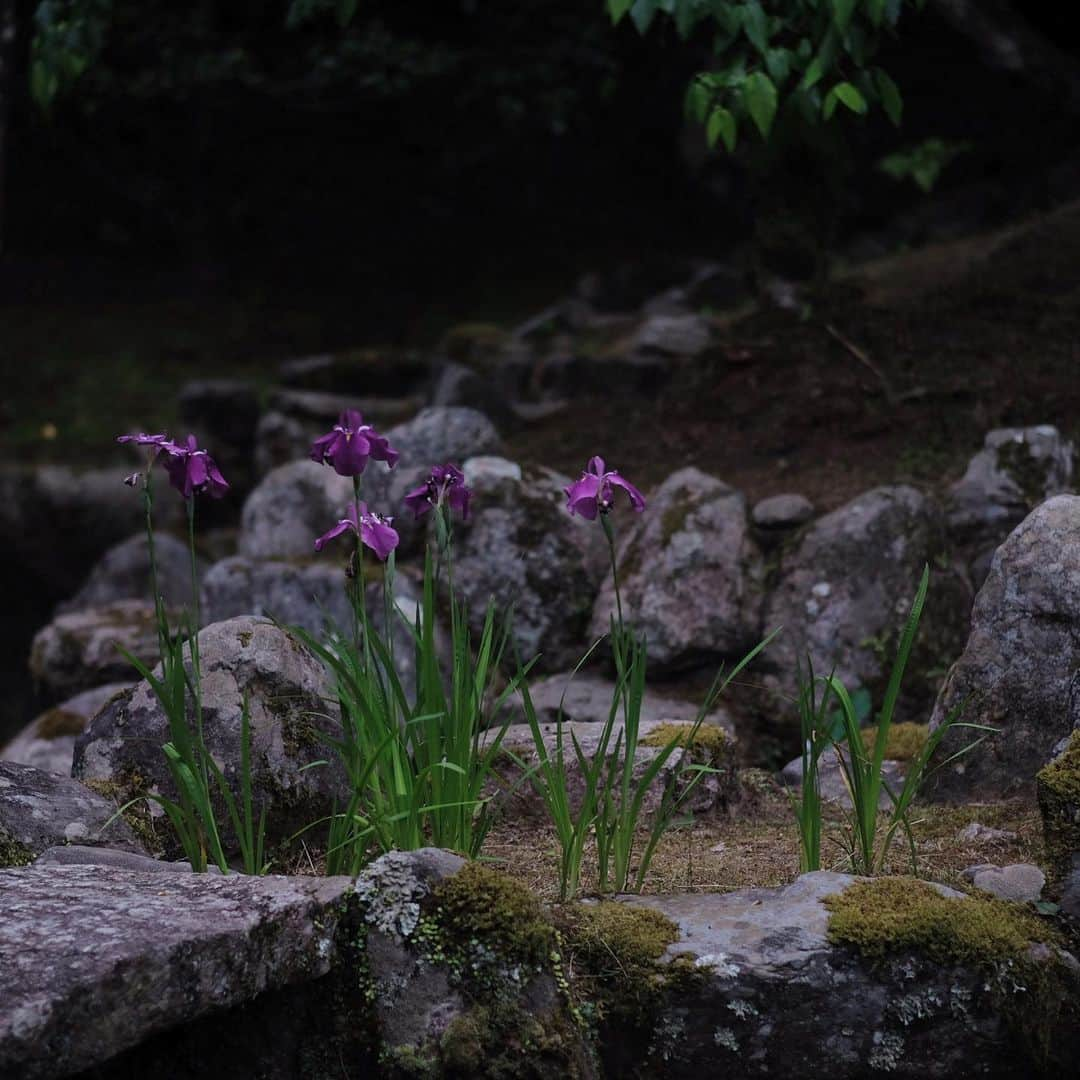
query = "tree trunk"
{"x": 7, "y": 91}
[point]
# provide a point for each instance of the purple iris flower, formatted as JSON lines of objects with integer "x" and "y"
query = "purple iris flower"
{"x": 191, "y": 470}
{"x": 446, "y": 484}
{"x": 348, "y": 447}
{"x": 595, "y": 491}
{"x": 373, "y": 529}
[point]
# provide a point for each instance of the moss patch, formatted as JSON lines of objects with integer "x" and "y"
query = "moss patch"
{"x": 709, "y": 743}
{"x": 1058, "y": 789}
{"x": 12, "y": 853}
{"x": 898, "y": 914}
{"x": 132, "y": 788}
{"x": 905, "y": 741}
{"x": 612, "y": 939}
{"x": 58, "y": 722}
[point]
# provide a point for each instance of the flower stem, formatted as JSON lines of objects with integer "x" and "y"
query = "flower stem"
{"x": 609, "y": 532}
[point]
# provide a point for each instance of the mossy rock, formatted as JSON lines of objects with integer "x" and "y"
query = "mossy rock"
{"x": 1057, "y": 787}
{"x": 12, "y": 853}
{"x": 905, "y": 741}
{"x": 710, "y": 744}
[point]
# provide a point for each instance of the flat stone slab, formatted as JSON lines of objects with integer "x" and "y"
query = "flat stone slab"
{"x": 96, "y": 959}
{"x": 1020, "y": 882}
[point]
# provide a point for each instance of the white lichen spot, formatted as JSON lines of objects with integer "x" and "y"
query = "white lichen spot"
{"x": 813, "y": 608}
{"x": 822, "y": 590}
{"x": 725, "y": 1037}
{"x": 743, "y": 1009}
{"x": 917, "y": 1006}
{"x": 887, "y": 1052}
{"x": 721, "y": 966}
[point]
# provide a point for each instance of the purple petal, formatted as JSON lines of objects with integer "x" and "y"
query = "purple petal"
{"x": 216, "y": 484}
{"x": 381, "y": 450}
{"x": 342, "y": 526}
{"x": 581, "y": 496}
{"x": 418, "y": 500}
{"x": 595, "y": 466}
{"x": 321, "y": 445}
{"x": 351, "y": 420}
{"x": 458, "y": 499}
{"x": 349, "y": 454}
{"x": 176, "y": 465}
{"x": 637, "y": 500}
{"x": 379, "y": 536}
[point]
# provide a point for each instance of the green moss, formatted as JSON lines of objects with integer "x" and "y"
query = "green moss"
{"x": 904, "y": 743}
{"x": 673, "y": 519}
{"x": 1018, "y": 954}
{"x": 12, "y": 853}
{"x": 613, "y": 939}
{"x": 131, "y": 788}
{"x": 898, "y": 914}
{"x": 710, "y": 742}
{"x": 1057, "y": 787}
{"x": 58, "y": 722}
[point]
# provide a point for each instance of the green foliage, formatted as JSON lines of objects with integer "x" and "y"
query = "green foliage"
{"x": 68, "y": 38}
{"x": 796, "y": 58}
{"x": 923, "y": 163}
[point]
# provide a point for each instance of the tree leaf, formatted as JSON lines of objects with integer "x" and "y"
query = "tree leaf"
{"x": 642, "y": 14}
{"x": 778, "y": 65}
{"x": 759, "y": 96}
{"x": 721, "y": 125}
{"x": 846, "y": 94}
{"x": 842, "y": 12}
{"x": 756, "y": 26}
{"x": 618, "y": 8}
{"x": 822, "y": 63}
{"x": 891, "y": 101}
{"x": 876, "y": 10}
{"x": 697, "y": 100}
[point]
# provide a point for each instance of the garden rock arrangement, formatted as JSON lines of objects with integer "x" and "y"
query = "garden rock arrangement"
{"x": 291, "y": 711}
{"x": 425, "y": 967}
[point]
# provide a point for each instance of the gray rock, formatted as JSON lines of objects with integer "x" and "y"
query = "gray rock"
{"x": 291, "y": 714}
{"x": 831, "y": 785}
{"x": 1070, "y": 893}
{"x": 321, "y": 409}
{"x": 56, "y": 520}
{"x": 82, "y": 648}
{"x": 280, "y": 439}
{"x": 291, "y": 508}
{"x": 293, "y": 593}
{"x": 519, "y": 798}
{"x": 48, "y": 741}
{"x": 123, "y": 573}
{"x": 782, "y": 512}
{"x": 114, "y": 858}
{"x": 776, "y": 997}
{"x": 1018, "y": 670}
{"x": 1021, "y": 882}
{"x": 587, "y": 698}
{"x": 689, "y": 572}
{"x": 844, "y": 593}
{"x": 39, "y": 810}
{"x": 674, "y": 335}
{"x": 521, "y": 547}
{"x": 488, "y": 471}
{"x": 459, "y": 385}
{"x": 98, "y": 960}
{"x": 1017, "y": 469}
{"x": 977, "y": 833}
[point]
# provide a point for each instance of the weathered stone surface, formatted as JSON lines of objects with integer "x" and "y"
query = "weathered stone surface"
{"x": 1017, "y": 469}
{"x": 977, "y": 833}
{"x": 97, "y": 960}
{"x": 290, "y": 508}
{"x": 114, "y": 858}
{"x": 521, "y": 547}
{"x": 715, "y": 748}
{"x": 674, "y": 335}
{"x": 290, "y": 708}
{"x": 844, "y": 593}
{"x": 294, "y": 593}
{"x": 1018, "y": 671}
{"x": 56, "y": 521}
{"x": 689, "y": 573}
{"x": 123, "y": 573}
{"x": 39, "y": 810}
{"x": 1020, "y": 882}
{"x": 82, "y": 648}
{"x": 776, "y": 998}
{"x": 1057, "y": 788}
{"x": 587, "y": 698}
{"x": 280, "y": 439}
{"x": 459, "y": 385}
{"x": 782, "y": 512}
{"x": 831, "y": 785}
{"x": 48, "y": 741}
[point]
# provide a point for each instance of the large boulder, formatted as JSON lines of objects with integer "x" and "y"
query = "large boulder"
{"x": 520, "y": 547}
{"x": 1017, "y": 469}
{"x": 1020, "y": 670}
{"x": 139, "y": 972}
{"x": 1058, "y": 790}
{"x": 291, "y": 713}
{"x": 291, "y": 508}
{"x": 843, "y": 593}
{"x": 848, "y": 977}
{"x": 48, "y": 741}
{"x": 82, "y": 649}
{"x": 39, "y": 810}
{"x": 123, "y": 573}
{"x": 689, "y": 573}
